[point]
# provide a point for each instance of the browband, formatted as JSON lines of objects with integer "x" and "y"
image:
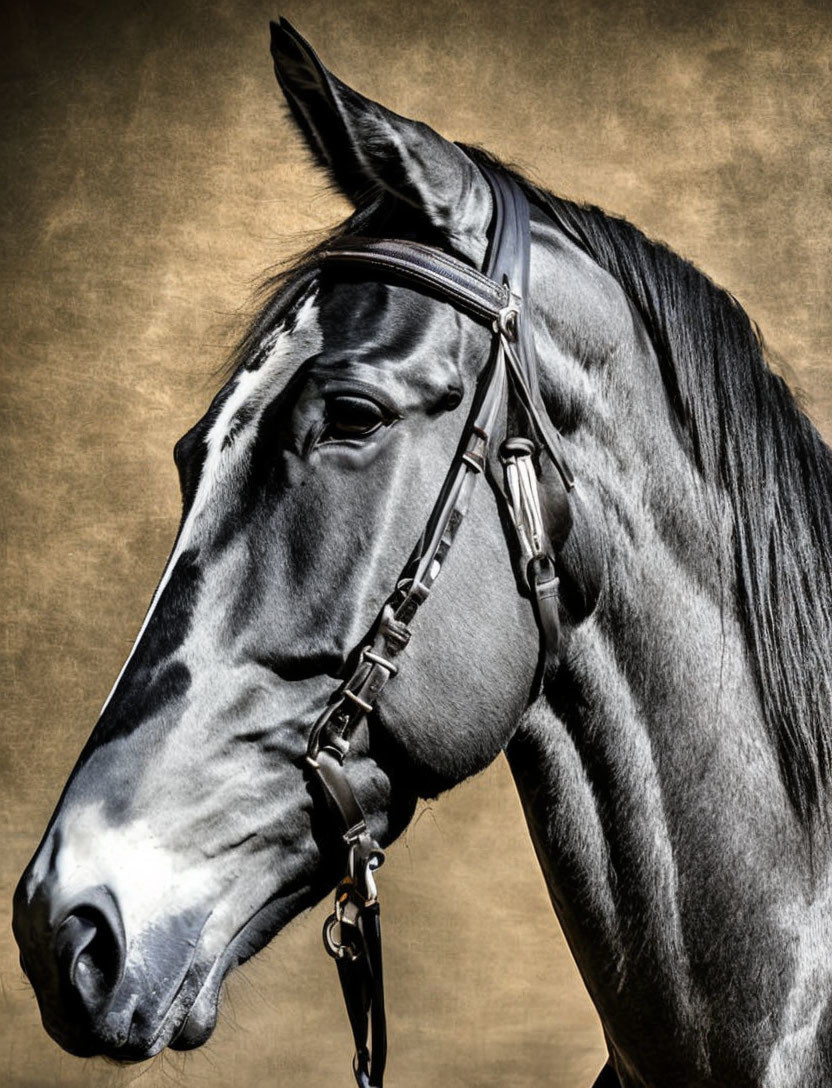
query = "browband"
{"x": 428, "y": 268}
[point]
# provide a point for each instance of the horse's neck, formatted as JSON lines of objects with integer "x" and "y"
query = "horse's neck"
{"x": 654, "y": 800}
{"x": 650, "y": 783}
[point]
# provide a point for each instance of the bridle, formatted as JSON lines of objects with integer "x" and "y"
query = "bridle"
{"x": 352, "y": 933}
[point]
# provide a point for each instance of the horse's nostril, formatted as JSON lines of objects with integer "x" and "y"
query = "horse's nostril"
{"x": 89, "y": 949}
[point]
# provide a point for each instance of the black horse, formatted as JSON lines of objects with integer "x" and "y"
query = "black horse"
{"x": 674, "y": 763}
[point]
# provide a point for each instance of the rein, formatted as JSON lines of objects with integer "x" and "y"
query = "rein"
{"x": 352, "y": 933}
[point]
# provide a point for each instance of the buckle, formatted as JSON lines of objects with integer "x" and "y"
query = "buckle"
{"x": 370, "y": 655}
{"x": 473, "y": 460}
{"x": 505, "y": 323}
{"x": 362, "y": 704}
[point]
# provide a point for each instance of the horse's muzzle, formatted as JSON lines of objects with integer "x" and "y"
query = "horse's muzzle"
{"x": 74, "y": 955}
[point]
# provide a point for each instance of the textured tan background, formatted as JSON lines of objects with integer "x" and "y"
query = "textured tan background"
{"x": 148, "y": 178}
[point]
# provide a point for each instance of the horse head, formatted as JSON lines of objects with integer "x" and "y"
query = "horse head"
{"x": 189, "y": 833}
{"x": 673, "y": 756}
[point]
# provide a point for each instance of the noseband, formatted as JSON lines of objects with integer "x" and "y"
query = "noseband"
{"x": 352, "y": 933}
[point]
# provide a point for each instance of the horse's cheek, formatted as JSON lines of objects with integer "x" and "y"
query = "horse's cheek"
{"x": 452, "y": 710}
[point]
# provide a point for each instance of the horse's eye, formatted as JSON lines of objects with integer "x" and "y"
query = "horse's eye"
{"x": 351, "y": 417}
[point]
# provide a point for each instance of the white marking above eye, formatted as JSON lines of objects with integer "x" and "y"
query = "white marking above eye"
{"x": 256, "y": 389}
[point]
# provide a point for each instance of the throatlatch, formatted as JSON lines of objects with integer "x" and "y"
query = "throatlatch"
{"x": 352, "y": 933}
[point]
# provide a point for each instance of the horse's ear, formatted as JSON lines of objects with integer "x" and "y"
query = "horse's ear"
{"x": 365, "y": 146}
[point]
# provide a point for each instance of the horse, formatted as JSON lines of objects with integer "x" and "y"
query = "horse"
{"x": 671, "y": 743}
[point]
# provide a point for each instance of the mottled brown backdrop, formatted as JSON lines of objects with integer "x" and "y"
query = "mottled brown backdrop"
{"x": 148, "y": 177}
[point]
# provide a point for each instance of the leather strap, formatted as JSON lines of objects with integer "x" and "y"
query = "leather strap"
{"x": 430, "y": 268}
{"x": 352, "y": 933}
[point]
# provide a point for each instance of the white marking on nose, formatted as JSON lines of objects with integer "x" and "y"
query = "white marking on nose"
{"x": 147, "y": 879}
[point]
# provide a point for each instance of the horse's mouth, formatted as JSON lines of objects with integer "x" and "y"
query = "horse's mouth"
{"x": 192, "y": 1015}
{"x": 196, "y": 1026}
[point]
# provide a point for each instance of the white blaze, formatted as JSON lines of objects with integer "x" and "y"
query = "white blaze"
{"x": 255, "y": 388}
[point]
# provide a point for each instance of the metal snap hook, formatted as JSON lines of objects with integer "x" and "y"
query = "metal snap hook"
{"x": 369, "y": 887}
{"x": 341, "y": 934}
{"x": 334, "y": 943}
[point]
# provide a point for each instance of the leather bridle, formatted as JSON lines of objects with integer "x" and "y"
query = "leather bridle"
{"x": 352, "y": 933}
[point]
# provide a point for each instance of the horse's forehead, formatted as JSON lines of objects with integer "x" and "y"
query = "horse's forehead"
{"x": 337, "y": 324}
{"x": 355, "y": 310}
{"x": 399, "y": 337}
{"x": 232, "y": 421}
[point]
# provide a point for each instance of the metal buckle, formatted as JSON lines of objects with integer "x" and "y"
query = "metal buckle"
{"x": 506, "y": 321}
{"x": 362, "y": 704}
{"x": 336, "y": 947}
{"x": 370, "y": 655}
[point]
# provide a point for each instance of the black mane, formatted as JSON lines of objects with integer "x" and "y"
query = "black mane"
{"x": 749, "y": 437}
